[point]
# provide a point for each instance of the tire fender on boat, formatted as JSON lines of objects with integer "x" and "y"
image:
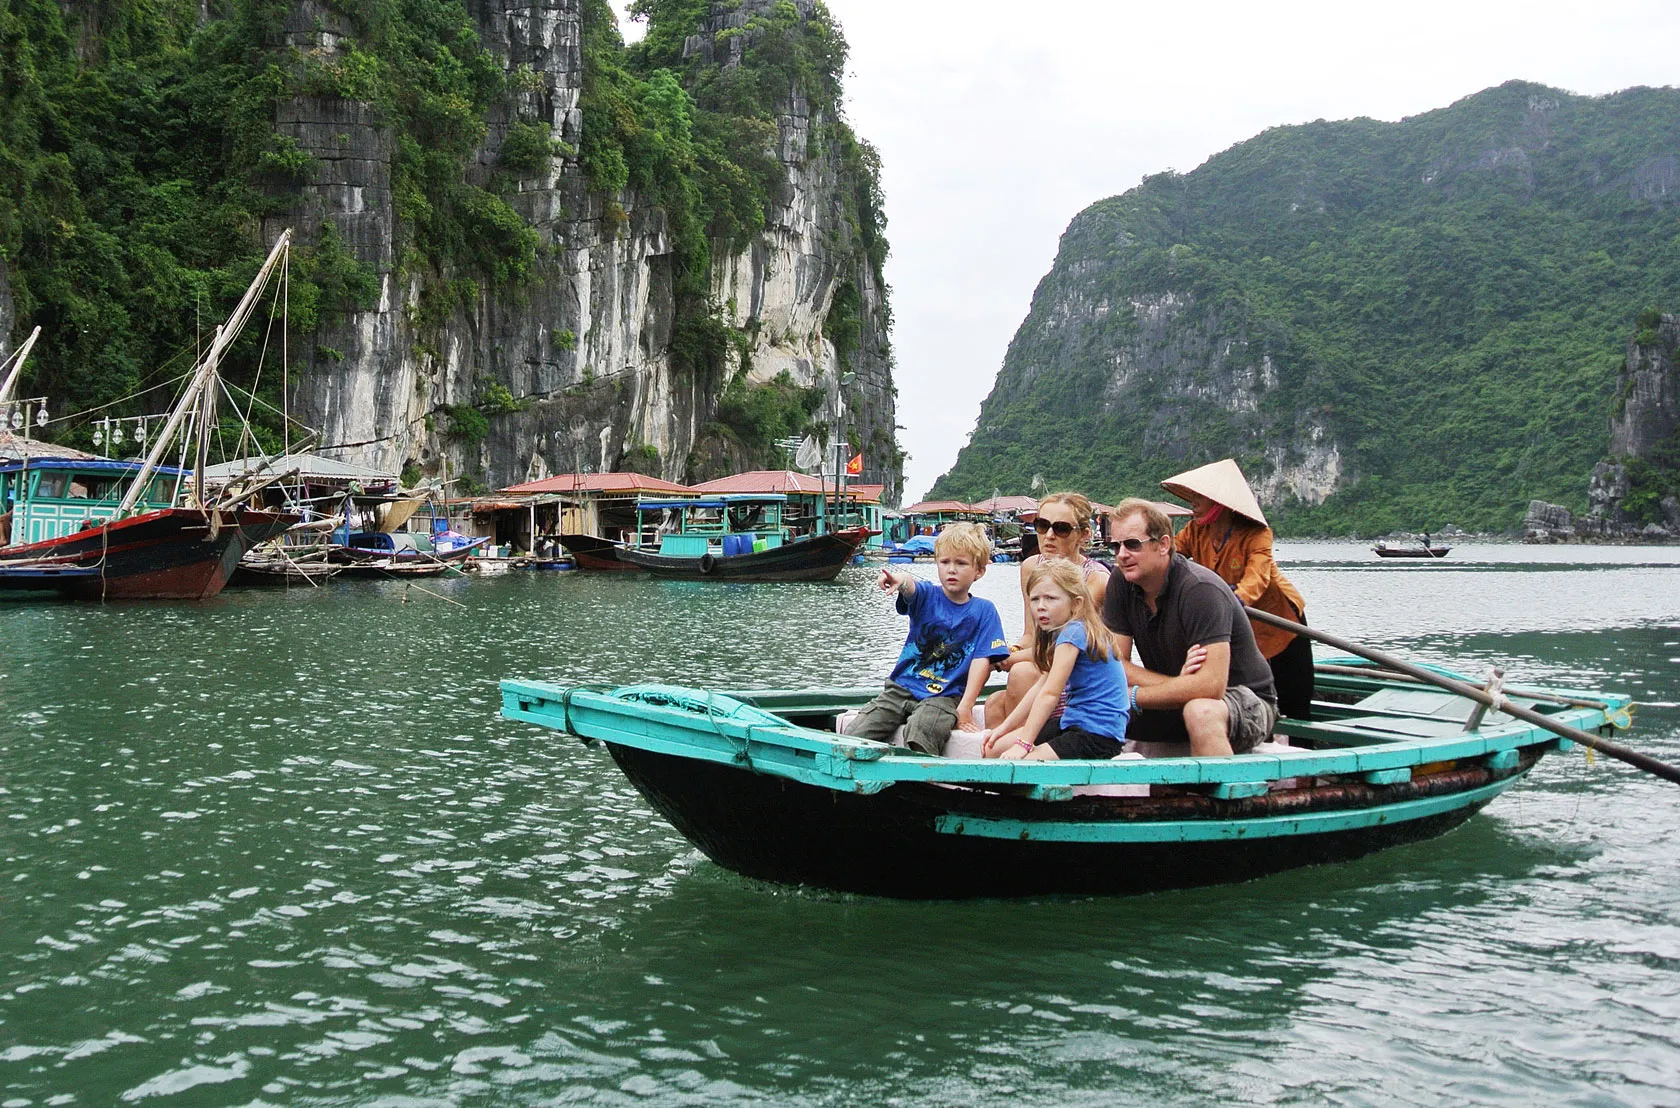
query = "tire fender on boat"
{"x": 708, "y": 562}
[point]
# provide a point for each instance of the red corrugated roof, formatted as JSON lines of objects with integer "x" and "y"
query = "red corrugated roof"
{"x": 596, "y": 482}
{"x": 785, "y": 481}
{"x": 1008, "y": 504}
{"x": 928, "y": 507}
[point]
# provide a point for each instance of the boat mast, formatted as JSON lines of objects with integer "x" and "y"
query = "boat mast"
{"x": 22, "y": 356}
{"x": 206, "y": 375}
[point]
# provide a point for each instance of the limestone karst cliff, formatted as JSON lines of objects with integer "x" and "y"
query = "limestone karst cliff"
{"x": 1634, "y": 493}
{"x": 525, "y": 247}
{"x": 1392, "y": 326}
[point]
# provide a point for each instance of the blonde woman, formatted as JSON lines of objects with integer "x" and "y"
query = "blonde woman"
{"x": 1064, "y": 531}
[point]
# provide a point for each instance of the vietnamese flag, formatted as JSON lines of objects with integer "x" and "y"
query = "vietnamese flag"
{"x": 854, "y": 468}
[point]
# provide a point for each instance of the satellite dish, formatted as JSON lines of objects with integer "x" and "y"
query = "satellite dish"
{"x": 808, "y": 455}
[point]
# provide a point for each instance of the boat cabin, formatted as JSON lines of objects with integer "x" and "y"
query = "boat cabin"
{"x": 49, "y": 498}
{"x": 692, "y": 527}
{"x": 815, "y": 506}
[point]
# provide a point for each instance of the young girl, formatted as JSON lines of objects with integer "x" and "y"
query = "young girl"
{"x": 1074, "y": 653}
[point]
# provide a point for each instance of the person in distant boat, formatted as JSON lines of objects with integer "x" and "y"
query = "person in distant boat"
{"x": 1173, "y": 610}
{"x": 1063, "y": 529}
{"x": 1228, "y": 534}
{"x": 1078, "y": 660}
{"x": 953, "y": 642}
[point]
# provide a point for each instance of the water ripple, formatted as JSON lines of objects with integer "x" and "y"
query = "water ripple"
{"x": 279, "y": 849}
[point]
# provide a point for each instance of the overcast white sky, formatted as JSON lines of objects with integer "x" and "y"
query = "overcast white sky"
{"x": 998, "y": 122}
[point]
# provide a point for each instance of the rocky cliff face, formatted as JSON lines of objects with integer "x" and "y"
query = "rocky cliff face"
{"x": 1634, "y": 493}
{"x": 584, "y": 350}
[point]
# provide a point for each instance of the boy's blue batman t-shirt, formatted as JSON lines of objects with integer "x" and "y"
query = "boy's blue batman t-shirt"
{"x": 944, "y": 638}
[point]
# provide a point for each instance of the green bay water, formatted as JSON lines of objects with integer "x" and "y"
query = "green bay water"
{"x": 280, "y": 849}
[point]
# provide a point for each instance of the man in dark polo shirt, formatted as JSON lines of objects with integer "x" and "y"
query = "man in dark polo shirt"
{"x": 1173, "y": 609}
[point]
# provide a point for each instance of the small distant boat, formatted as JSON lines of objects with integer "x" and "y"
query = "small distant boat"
{"x": 378, "y": 552}
{"x": 274, "y": 565}
{"x": 1421, "y": 550}
{"x": 764, "y": 785}
{"x": 725, "y": 538}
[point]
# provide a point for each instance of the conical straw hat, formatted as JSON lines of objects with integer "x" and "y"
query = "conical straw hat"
{"x": 1221, "y": 482}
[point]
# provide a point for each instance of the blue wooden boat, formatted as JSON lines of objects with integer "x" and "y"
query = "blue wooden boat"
{"x": 764, "y": 785}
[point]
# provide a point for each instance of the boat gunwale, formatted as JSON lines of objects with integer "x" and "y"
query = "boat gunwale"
{"x": 843, "y": 763}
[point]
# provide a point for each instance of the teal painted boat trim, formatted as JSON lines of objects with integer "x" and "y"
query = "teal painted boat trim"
{"x": 1203, "y": 830}
{"x": 1398, "y": 776}
{"x": 841, "y": 763}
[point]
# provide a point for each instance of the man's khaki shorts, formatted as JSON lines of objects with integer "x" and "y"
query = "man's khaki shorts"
{"x": 1251, "y": 718}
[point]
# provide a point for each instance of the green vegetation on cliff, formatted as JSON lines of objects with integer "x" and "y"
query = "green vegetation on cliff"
{"x": 139, "y": 159}
{"x": 1444, "y": 299}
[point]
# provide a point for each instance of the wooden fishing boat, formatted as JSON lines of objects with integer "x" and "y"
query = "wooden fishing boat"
{"x": 98, "y": 528}
{"x": 1384, "y": 550}
{"x": 404, "y": 548}
{"x": 726, "y": 538}
{"x": 596, "y": 554}
{"x": 78, "y": 546}
{"x": 764, "y": 785}
{"x": 274, "y": 564}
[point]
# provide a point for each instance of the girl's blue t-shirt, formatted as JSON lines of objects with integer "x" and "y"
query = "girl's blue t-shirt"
{"x": 1096, "y": 691}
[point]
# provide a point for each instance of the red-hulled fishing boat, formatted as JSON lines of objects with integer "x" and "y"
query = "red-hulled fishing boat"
{"x": 99, "y": 528}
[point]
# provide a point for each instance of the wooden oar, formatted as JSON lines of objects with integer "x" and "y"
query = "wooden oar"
{"x": 1480, "y": 696}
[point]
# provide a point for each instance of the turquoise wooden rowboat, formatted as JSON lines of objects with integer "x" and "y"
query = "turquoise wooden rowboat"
{"x": 762, "y": 783}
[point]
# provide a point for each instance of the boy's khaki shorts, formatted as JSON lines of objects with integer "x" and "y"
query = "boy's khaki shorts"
{"x": 927, "y": 723}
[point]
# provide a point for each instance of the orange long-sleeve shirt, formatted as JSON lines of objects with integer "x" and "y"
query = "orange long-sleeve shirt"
{"x": 1240, "y": 551}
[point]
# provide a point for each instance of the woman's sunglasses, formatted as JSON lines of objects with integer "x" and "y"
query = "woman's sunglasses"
{"x": 1062, "y": 527}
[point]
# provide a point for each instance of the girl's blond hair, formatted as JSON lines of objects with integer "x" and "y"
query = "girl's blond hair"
{"x": 1071, "y": 580}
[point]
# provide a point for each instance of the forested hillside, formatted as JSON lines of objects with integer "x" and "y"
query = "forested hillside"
{"x": 1391, "y": 325}
{"x": 526, "y": 247}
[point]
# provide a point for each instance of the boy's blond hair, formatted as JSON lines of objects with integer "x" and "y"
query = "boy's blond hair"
{"x": 964, "y": 538}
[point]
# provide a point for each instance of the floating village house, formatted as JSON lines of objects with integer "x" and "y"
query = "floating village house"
{"x": 929, "y": 516}
{"x": 814, "y": 506}
{"x": 321, "y": 488}
{"x": 598, "y": 504}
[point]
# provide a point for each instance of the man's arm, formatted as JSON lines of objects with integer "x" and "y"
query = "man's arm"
{"x": 1207, "y": 683}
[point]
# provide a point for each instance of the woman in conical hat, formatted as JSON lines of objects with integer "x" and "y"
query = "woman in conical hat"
{"x": 1228, "y": 534}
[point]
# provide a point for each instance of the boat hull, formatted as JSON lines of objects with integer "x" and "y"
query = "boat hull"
{"x": 1412, "y": 552}
{"x": 595, "y": 554}
{"x": 818, "y": 558}
{"x": 902, "y": 842}
{"x": 173, "y": 554}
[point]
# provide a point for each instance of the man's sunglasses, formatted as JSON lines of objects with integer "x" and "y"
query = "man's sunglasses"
{"x": 1062, "y": 527}
{"x": 1134, "y": 545}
